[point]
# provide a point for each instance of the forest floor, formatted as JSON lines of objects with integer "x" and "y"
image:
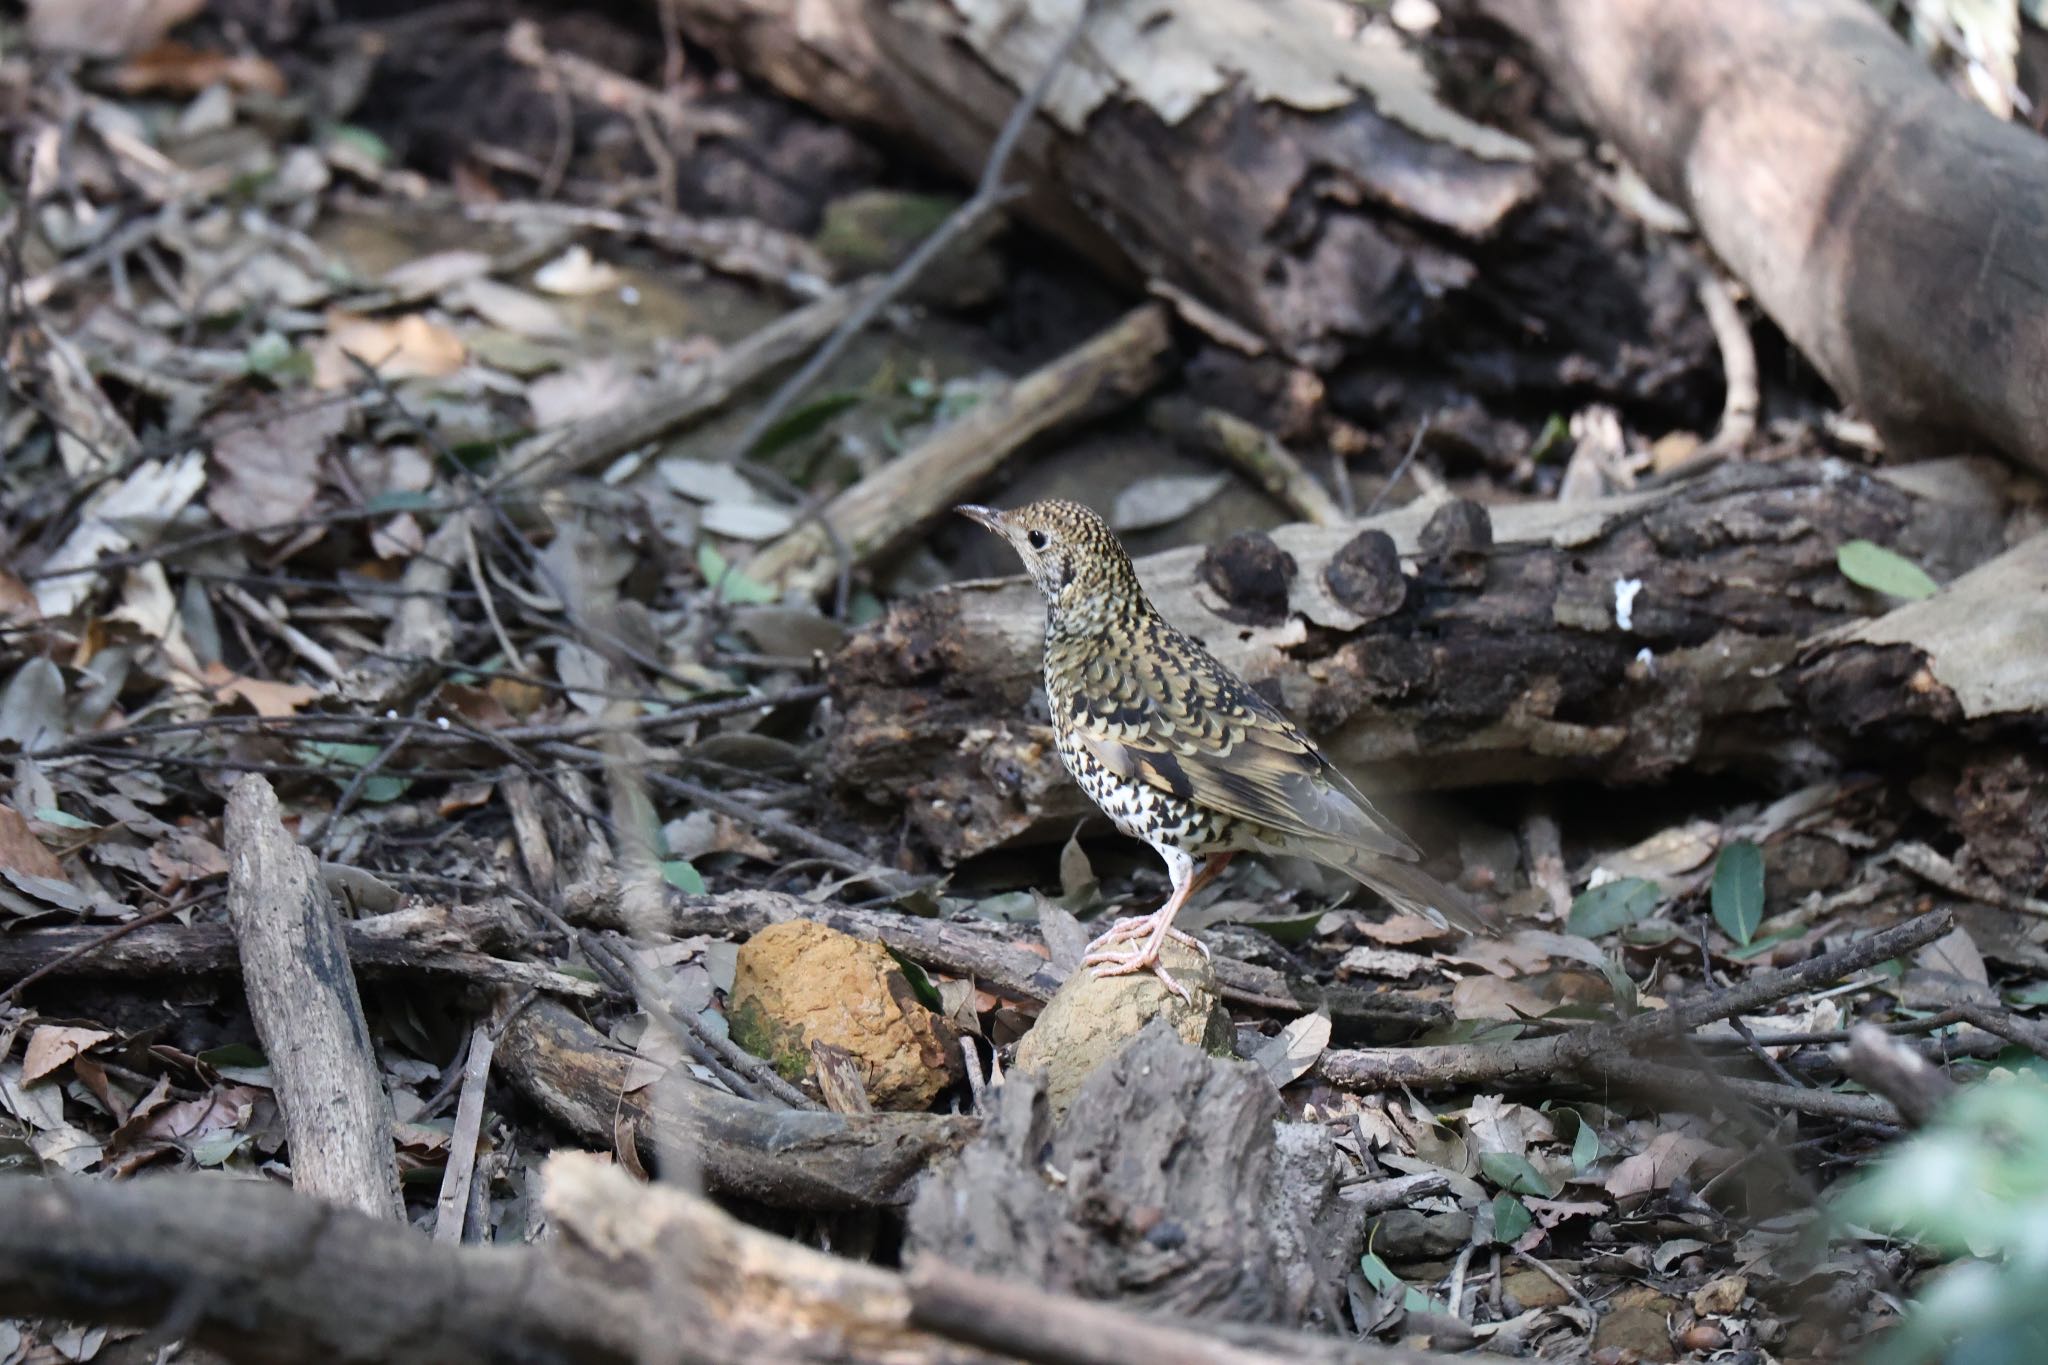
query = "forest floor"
{"x": 384, "y": 419}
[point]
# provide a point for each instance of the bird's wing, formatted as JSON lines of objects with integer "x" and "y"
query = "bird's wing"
{"x": 1195, "y": 731}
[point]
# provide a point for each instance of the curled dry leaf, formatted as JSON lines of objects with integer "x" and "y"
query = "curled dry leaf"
{"x": 21, "y": 851}
{"x": 50, "y": 1048}
{"x": 1287, "y": 1056}
{"x": 408, "y": 347}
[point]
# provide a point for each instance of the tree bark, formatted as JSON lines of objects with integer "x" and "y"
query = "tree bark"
{"x": 812, "y": 1160}
{"x": 1876, "y": 215}
{"x": 1501, "y": 653}
{"x": 308, "y": 1013}
{"x": 1290, "y": 186}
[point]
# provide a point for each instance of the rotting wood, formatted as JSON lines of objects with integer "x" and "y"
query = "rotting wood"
{"x": 1866, "y": 205}
{"x": 308, "y": 1014}
{"x": 1302, "y": 184}
{"x": 1514, "y": 661}
{"x": 803, "y": 1159}
{"x": 878, "y": 512}
{"x": 1258, "y": 1235}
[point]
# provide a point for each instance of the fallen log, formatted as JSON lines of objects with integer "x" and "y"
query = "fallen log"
{"x": 801, "y": 1159}
{"x": 1617, "y": 640}
{"x": 639, "y": 1272}
{"x": 1867, "y": 207}
{"x": 1281, "y": 169}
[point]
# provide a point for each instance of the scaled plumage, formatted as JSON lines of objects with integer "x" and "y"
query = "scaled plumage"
{"x": 1180, "y": 752}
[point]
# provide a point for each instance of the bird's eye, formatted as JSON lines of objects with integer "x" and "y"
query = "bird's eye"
{"x": 1037, "y": 539}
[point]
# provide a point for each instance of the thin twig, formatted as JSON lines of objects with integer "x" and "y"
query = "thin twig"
{"x": 1414, "y": 445}
{"x": 451, "y": 1208}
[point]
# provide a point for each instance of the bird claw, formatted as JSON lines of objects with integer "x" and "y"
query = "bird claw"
{"x": 1140, "y": 927}
{"x": 1124, "y": 964}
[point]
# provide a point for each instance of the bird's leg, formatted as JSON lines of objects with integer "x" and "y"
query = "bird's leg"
{"x": 1156, "y": 927}
{"x": 1138, "y": 926}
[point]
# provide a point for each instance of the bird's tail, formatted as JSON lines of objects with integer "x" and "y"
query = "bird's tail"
{"x": 1409, "y": 888}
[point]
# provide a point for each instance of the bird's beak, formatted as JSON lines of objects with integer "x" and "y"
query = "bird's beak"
{"x": 987, "y": 516}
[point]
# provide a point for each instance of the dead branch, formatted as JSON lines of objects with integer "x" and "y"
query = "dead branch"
{"x": 1610, "y": 1052}
{"x": 876, "y": 514}
{"x": 1809, "y": 143}
{"x": 1442, "y": 660}
{"x": 1255, "y": 453}
{"x": 1891, "y": 1069}
{"x": 303, "y": 999}
{"x": 250, "y": 1270}
{"x": 807, "y": 1159}
{"x": 422, "y": 941}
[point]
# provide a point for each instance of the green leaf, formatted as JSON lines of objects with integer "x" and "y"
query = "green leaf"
{"x": 1738, "y": 894}
{"x": 1585, "y": 1147}
{"x": 63, "y": 819}
{"x": 1870, "y": 565}
{"x": 1515, "y": 1174}
{"x": 804, "y": 422}
{"x": 679, "y": 873}
{"x": 920, "y": 985}
{"x": 1379, "y": 1274}
{"x": 378, "y": 790}
{"x": 731, "y": 584}
{"x": 1612, "y": 905}
{"x": 360, "y": 141}
{"x": 1511, "y": 1218}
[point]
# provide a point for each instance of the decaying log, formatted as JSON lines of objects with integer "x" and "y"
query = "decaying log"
{"x": 1300, "y": 184}
{"x": 1618, "y": 640}
{"x": 1241, "y": 1224}
{"x": 787, "y": 1158}
{"x": 307, "y": 1011}
{"x": 1868, "y": 208}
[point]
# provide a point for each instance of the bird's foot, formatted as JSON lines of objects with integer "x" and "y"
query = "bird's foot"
{"x": 1125, "y": 964}
{"x": 1142, "y": 926}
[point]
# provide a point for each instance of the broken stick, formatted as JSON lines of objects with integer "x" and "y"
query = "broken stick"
{"x": 308, "y": 1014}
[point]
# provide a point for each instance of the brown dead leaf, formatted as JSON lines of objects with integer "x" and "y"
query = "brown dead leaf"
{"x": 1669, "y": 1156}
{"x": 266, "y": 698}
{"x": 17, "y": 603}
{"x": 1495, "y": 997}
{"x": 268, "y": 472}
{"x": 188, "y": 856}
{"x": 1404, "y": 928}
{"x": 51, "y": 1047}
{"x": 22, "y": 851}
{"x": 180, "y": 69}
{"x": 408, "y": 347}
{"x": 105, "y": 28}
{"x": 1499, "y": 1125}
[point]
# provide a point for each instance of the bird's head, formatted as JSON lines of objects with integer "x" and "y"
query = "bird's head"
{"x": 1069, "y": 552}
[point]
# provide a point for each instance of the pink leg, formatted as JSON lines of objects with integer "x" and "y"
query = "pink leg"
{"x": 1154, "y": 929}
